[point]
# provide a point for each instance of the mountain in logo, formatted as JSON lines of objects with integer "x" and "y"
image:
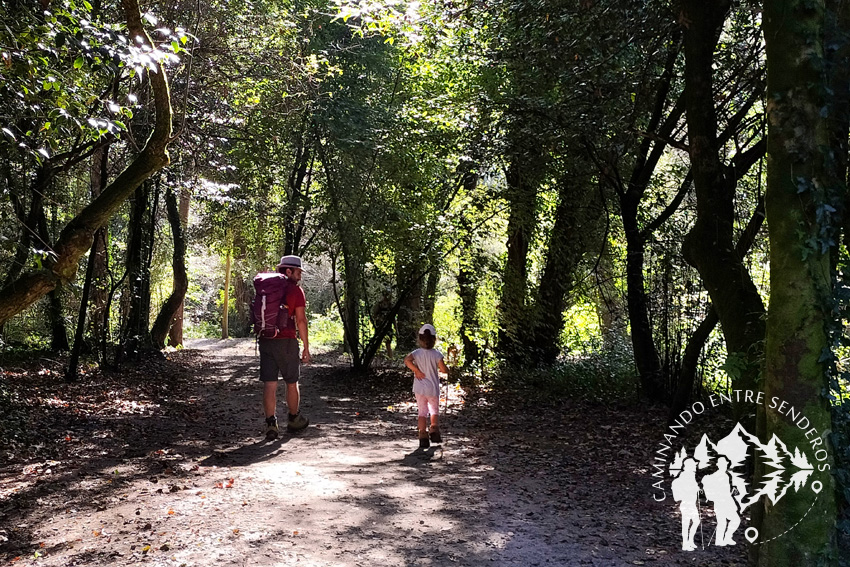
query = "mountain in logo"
{"x": 678, "y": 460}
{"x": 784, "y": 469}
{"x": 736, "y": 445}
{"x": 705, "y": 453}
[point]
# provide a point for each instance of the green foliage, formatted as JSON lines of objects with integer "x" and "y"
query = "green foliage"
{"x": 445, "y": 319}
{"x": 57, "y": 64}
{"x": 202, "y": 329}
{"x": 602, "y": 376}
{"x": 326, "y": 332}
{"x": 582, "y": 334}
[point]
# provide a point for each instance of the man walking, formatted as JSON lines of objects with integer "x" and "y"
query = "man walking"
{"x": 718, "y": 489}
{"x": 279, "y": 355}
{"x": 686, "y": 490}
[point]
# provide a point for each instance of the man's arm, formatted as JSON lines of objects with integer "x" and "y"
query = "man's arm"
{"x": 301, "y": 323}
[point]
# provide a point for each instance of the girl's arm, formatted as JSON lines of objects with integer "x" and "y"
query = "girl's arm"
{"x": 442, "y": 365}
{"x": 408, "y": 361}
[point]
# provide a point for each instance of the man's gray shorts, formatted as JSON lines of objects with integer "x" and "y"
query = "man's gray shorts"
{"x": 279, "y": 357}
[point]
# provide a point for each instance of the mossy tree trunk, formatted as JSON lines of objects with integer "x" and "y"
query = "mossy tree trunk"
{"x": 799, "y": 276}
{"x": 522, "y": 178}
{"x": 468, "y": 282}
{"x": 578, "y": 217}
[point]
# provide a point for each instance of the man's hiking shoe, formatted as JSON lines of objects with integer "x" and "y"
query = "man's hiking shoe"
{"x": 297, "y": 423}
{"x": 436, "y": 437}
{"x": 424, "y": 443}
{"x": 272, "y": 429}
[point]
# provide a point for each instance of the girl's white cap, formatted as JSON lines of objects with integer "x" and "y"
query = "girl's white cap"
{"x": 428, "y": 327}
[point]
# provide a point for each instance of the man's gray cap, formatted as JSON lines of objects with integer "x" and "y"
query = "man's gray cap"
{"x": 291, "y": 261}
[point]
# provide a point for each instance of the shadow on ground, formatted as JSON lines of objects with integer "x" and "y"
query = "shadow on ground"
{"x": 184, "y": 475}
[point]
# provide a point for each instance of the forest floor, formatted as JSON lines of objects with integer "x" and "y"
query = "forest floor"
{"x": 165, "y": 464}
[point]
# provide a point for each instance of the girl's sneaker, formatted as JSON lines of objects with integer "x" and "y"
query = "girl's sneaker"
{"x": 424, "y": 443}
{"x": 435, "y": 436}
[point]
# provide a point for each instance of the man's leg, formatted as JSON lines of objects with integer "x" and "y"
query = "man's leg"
{"x": 293, "y": 398}
{"x": 268, "y": 375}
{"x": 270, "y": 398}
{"x": 269, "y": 406}
{"x": 295, "y": 421}
{"x": 291, "y": 374}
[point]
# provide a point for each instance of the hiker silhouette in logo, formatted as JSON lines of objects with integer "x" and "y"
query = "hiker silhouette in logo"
{"x": 718, "y": 489}
{"x": 686, "y": 490}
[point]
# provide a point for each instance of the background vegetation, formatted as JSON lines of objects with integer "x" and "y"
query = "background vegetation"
{"x": 572, "y": 192}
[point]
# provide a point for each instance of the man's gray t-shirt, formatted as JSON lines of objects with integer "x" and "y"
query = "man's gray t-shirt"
{"x": 427, "y": 360}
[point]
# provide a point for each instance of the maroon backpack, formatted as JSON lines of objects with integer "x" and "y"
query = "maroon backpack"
{"x": 268, "y": 312}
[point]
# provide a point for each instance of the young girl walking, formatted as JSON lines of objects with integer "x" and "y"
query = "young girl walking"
{"x": 425, "y": 363}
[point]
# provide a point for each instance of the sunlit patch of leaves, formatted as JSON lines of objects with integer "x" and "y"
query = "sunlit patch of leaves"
{"x": 58, "y": 67}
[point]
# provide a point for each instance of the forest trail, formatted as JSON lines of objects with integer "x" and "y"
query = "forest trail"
{"x": 194, "y": 483}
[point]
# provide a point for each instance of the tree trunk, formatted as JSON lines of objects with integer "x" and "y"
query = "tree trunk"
{"x": 136, "y": 334}
{"x": 522, "y": 186}
{"x": 647, "y": 360}
{"x": 298, "y": 202}
{"x": 99, "y": 285}
{"x": 837, "y": 37}
{"x": 175, "y": 333}
{"x": 170, "y": 308}
{"x": 351, "y": 304}
{"x": 242, "y": 297}
{"x": 800, "y": 286}
{"x": 225, "y": 333}
{"x": 429, "y": 299}
{"x": 468, "y": 279}
{"x": 647, "y": 154}
{"x": 410, "y": 310}
{"x": 71, "y": 372}
{"x": 77, "y": 236}
{"x": 709, "y": 246}
{"x": 58, "y": 328}
{"x": 574, "y": 232}
{"x": 95, "y": 274}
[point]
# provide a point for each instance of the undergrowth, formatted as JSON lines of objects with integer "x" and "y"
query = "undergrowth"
{"x": 606, "y": 377}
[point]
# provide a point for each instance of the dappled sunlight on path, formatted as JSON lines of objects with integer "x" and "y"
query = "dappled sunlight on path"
{"x": 195, "y": 484}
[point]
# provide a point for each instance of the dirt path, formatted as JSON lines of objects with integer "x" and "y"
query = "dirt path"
{"x": 189, "y": 481}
